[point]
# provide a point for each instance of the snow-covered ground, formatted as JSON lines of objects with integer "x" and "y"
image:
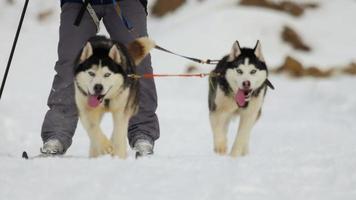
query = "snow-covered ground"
{"x": 303, "y": 147}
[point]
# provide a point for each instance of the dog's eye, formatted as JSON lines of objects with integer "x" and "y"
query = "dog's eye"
{"x": 92, "y": 74}
{"x": 107, "y": 75}
{"x": 239, "y": 71}
{"x": 253, "y": 72}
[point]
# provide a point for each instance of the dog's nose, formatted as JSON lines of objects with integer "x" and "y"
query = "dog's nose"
{"x": 246, "y": 84}
{"x": 98, "y": 88}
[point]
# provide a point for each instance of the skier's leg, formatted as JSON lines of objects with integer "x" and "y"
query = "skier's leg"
{"x": 144, "y": 126}
{"x": 61, "y": 119}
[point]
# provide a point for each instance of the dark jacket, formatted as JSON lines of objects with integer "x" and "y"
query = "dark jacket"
{"x": 144, "y": 3}
{"x": 96, "y": 2}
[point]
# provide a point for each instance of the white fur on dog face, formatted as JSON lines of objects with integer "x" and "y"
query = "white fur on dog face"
{"x": 99, "y": 74}
{"x": 245, "y": 72}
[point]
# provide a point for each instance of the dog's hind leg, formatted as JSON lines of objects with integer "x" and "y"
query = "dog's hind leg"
{"x": 219, "y": 122}
{"x": 99, "y": 143}
{"x": 119, "y": 136}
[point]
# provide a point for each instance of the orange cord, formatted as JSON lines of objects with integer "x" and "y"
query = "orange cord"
{"x": 201, "y": 75}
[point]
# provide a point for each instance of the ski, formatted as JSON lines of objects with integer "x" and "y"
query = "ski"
{"x": 26, "y": 157}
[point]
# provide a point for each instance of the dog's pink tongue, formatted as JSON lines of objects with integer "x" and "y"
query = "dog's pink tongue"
{"x": 93, "y": 101}
{"x": 240, "y": 98}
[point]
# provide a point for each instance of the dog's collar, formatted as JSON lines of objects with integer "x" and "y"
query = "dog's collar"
{"x": 269, "y": 84}
{"x": 257, "y": 91}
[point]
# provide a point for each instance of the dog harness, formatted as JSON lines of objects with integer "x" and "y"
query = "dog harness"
{"x": 87, "y": 5}
{"x": 92, "y": 2}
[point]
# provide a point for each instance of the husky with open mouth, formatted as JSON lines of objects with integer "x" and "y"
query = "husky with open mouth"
{"x": 103, "y": 84}
{"x": 237, "y": 86}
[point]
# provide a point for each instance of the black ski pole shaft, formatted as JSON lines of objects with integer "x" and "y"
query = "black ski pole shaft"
{"x": 80, "y": 15}
{"x": 13, "y": 48}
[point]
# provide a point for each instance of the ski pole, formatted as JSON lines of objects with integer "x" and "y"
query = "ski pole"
{"x": 13, "y": 47}
{"x": 80, "y": 15}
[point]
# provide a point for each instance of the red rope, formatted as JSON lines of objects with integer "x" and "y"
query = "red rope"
{"x": 201, "y": 75}
{"x": 174, "y": 75}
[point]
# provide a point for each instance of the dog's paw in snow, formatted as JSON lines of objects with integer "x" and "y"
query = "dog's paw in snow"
{"x": 220, "y": 146}
{"x": 101, "y": 147}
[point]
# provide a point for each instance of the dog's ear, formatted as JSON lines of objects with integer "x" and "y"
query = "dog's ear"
{"x": 139, "y": 48}
{"x": 235, "y": 51}
{"x": 86, "y": 52}
{"x": 115, "y": 55}
{"x": 258, "y": 51}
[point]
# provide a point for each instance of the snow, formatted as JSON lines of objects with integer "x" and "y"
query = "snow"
{"x": 303, "y": 147}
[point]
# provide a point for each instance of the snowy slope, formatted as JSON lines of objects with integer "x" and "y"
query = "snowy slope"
{"x": 303, "y": 147}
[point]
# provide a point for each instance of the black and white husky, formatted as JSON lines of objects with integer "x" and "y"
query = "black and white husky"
{"x": 102, "y": 84}
{"x": 237, "y": 86}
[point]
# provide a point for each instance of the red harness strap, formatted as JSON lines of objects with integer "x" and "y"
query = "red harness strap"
{"x": 201, "y": 75}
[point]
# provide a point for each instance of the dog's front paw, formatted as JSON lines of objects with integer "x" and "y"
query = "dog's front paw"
{"x": 239, "y": 152}
{"x": 101, "y": 147}
{"x": 220, "y": 146}
{"x": 236, "y": 154}
{"x": 119, "y": 152}
{"x": 245, "y": 150}
{"x": 220, "y": 149}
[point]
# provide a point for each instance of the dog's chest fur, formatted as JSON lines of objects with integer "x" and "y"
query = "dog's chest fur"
{"x": 224, "y": 101}
{"x": 118, "y": 102}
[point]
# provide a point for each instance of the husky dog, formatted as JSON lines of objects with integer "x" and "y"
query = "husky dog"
{"x": 103, "y": 84}
{"x": 237, "y": 86}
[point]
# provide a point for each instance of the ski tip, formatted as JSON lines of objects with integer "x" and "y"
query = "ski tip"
{"x": 24, "y": 155}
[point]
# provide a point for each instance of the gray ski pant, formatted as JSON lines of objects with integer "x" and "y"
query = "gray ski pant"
{"x": 62, "y": 117}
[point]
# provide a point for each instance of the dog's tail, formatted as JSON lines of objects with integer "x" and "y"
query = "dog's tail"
{"x": 139, "y": 48}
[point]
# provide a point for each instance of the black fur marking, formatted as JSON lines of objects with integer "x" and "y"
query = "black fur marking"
{"x": 82, "y": 90}
{"x": 212, "y": 93}
{"x": 259, "y": 115}
{"x": 221, "y": 81}
{"x": 107, "y": 103}
{"x": 250, "y": 54}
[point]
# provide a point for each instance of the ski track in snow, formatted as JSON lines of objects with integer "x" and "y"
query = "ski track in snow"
{"x": 303, "y": 147}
